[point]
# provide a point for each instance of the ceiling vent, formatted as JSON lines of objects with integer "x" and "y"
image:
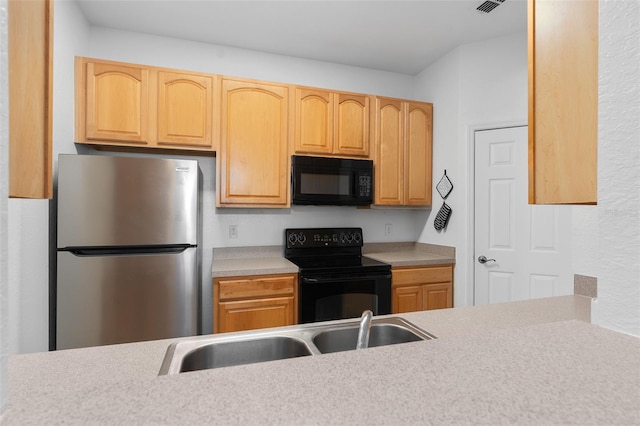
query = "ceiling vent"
{"x": 489, "y": 5}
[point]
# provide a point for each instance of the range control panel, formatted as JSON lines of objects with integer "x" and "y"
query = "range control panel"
{"x": 323, "y": 237}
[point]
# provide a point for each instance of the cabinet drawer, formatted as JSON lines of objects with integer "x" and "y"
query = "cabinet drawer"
{"x": 237, "y": 288}
{"x": 253, "y": 314}
{"x": 436, "y": 274}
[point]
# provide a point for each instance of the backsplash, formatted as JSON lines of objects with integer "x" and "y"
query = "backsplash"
{"x": 585, "y": 286}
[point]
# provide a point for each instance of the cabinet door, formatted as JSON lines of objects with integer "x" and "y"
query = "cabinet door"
{"x": 256, "y": 313}
{"x": 406, "y": 299}
{"x": 313, "y": 121}
{"x": 352, "y": 124}
{"x": 418, "y": 155}
{"x": 30, "y": 35}
{"x": 422, "y": 288}
{"x": 437, "y": 296}
{"x": 389, "y": 158}
{"x": 563, "y": 102}
{"x": 185, "y": 109}
{"x": 117, "y": 103}
{"x": 254, "y": 164}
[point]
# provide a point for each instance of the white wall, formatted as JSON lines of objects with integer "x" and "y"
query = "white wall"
{"x": 5, "y": 332}
{"x": 175, "y": 53}
{"x": 476, "y": 85}
{"x": 28, "y": 275}
{"x": 618, "y": 210}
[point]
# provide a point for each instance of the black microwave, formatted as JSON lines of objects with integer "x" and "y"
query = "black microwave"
{"x": 331, "y": 181}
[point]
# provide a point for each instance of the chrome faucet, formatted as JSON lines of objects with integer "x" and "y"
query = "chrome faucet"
{"x": 364, "y": 330}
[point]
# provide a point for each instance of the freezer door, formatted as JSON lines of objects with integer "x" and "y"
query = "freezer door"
{"x": 120, "y": 201}
{"x": 112, "y": 299}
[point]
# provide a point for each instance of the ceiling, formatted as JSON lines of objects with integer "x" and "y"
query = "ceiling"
{"x": 396, "y": 36}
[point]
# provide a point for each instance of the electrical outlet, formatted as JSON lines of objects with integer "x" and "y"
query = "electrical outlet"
{"x": 387, "y": 229}
{"x": 233, "y": 231}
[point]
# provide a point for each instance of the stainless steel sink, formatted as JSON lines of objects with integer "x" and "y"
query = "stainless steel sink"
{"x": 380, "y": 335}
{"x": 225, "y": 354}
{"x": 199, "y": 353}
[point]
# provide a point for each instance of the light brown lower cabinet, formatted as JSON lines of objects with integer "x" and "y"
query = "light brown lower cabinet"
{"x": 421, "y": 288}
{"x": 252, "y": 302}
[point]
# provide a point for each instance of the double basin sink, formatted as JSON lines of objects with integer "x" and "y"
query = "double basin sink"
{"x": 200, "y": 353}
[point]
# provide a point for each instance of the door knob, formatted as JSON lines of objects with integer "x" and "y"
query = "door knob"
{"x": 483, "y": 260}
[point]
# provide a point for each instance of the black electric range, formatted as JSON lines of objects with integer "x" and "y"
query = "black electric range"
{"x": 335, "y": 280}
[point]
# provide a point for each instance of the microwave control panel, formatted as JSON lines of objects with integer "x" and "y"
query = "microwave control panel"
{"x": 364, "y": 185}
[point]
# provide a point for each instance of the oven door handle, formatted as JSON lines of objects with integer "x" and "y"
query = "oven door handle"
{"x": 345, "y": 279}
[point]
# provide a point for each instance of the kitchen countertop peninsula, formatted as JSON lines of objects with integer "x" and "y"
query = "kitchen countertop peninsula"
{"x": 265, "y": 260}
{"x": 530, "y": 362}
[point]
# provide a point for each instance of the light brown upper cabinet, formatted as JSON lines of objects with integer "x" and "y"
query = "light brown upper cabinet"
{"x": 116, "y": 102}
{"x": 314, "y": 121}
{"x": 185, "y": 109}
{"x": 331, "y": 123}
{"x": 403, "y": 152}
{"x": 563, "y": 101}
{"x": 253, "y": 161}
{"x": 136, "y": 105}
{"x": 253, "y": 127}
{"x": 30, "y": 37}
{"x": 351, "y": 124}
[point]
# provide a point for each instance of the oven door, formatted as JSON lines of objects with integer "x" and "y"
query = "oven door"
{"x": 325, "y": 297}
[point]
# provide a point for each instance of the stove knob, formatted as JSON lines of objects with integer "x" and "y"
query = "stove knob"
{"x": 349, "y": 237}
{"x": 292, "y": 239}
{"x": 357, "y": 237}
{"x": 302, "y": 238}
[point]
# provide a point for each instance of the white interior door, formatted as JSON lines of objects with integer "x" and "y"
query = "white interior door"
{"x": 527, "y": 246}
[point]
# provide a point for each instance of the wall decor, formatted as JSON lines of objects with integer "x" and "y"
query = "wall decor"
{"x": 444, "y": 188}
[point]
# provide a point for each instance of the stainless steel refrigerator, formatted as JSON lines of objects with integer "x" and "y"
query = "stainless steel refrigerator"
{"x": 128, "y": 260}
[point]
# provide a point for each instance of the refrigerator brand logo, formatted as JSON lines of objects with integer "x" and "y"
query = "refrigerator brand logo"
{"x": 182, "y": 169}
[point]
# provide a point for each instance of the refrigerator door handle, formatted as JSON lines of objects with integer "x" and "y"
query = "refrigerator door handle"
{"x": 84, "y": 251}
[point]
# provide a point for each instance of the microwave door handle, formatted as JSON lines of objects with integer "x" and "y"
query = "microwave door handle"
{"x": 345, "y": 279}
{"x": 354, "y": 184}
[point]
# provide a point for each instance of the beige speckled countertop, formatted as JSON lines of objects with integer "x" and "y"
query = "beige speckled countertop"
{"x": 263, "y": 260}
{"x": 532, "y": 362}
{"x": 252, "y": 266}
{"x": 259, "y": 260}
{"x": 410, "y": 254}
{"x": 241, "y": 261}
{"x": 410, "y": 258}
